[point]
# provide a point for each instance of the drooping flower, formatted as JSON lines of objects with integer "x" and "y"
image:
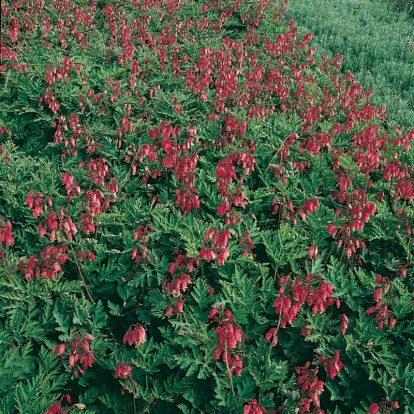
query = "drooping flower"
{"x": 344, "y": 323}
{"x": 135, "y": 335}
{"x": 253, "y": 408}
{"x": 123, "y": 371}
{"x": 332, "y": 230}
{"x": 373, "y": 409}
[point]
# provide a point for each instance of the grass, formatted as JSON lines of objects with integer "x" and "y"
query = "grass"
{"x": 378, "y": 46}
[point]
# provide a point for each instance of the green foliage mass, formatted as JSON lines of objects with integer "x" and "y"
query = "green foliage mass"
{"x": 197, "y": 214}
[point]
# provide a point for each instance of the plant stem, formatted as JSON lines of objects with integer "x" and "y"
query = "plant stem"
{"x": 271, "y": 161}
{"x": 133, "y": 394}
{"x": 228, "y": 371}
{"x": 80, "y": 273}
{"x": 274, "y": 335}
{"x": 4, "y": 265}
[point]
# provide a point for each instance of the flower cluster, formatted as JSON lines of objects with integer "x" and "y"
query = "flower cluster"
{"x": 55, "y": 408}
{"x": 332, "y": 365}
{"x": 294, "y": 293}
{"x": 178, "y": 285}
{"x": 320, "y": 298}
{"x": 141, "y": 233}
{"x": 271, "y": 335}
{"x": 37, "y": 205}
{"x": 176, "y": 308}
{"x": 55, "y": 224}
{"x": 246, "y": 240}
{"x": 179, "y": 161}
{"x": 359, "y": 210}
{"x": 308, "y": 207}
{"x": 84, "y": 255}
{"x": 135, "y": 335}
{"x": 146, "y": 151}
{"x": 182, "y": 280}
{"x": 313, "y": 252}
{"x": 384, "y": 407}
{"x": 72, "y": 188}
{"x": 311, "y": 387}
{"x": 78, "y": 351}
{"x": 288, "y": 304}
{"x": 383, "y": 314}
{"x": 219, "y": 244}
{"x": 50, "y": 99}
{"x": 253, "y": 408}
{"x": 229, "y": 335}
{"x": 6, "y": 235}
{"x": 123, "y": 371}
{"x": 47, "y": 264}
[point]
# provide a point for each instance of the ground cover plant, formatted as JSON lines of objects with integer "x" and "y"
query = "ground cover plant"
{"x": 197, "y": 215}
{"x": 377, "y": 40}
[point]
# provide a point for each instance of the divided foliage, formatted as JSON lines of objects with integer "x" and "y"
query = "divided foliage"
{"x": 197, "y": 215}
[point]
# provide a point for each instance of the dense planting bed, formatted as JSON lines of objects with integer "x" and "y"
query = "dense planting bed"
{"x": 197, "y": 215}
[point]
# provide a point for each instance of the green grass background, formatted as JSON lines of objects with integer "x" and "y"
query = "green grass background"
{"x": 377, "y": 38}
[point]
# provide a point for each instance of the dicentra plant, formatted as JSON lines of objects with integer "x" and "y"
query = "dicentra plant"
{"x": 196, "y": 215}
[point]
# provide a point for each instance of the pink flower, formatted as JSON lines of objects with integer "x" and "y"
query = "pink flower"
{"x": 212, "y": 313}
{"x": 6, "y": 235}
{"x": 332, "y": 230}
{"x": 312, "y": 252}
{"x": 373, "y": 409}
{"x": 59, "y": 349}
{"x": 344, "y": 323}
{"x": 253, "y": 408}
{"x": 180, "y": 306}
{"x": 123, "y": 370}
{"x": 271, "y": 335}
{"x": 135, "y": 335}
{"x": 377, "y": 294}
